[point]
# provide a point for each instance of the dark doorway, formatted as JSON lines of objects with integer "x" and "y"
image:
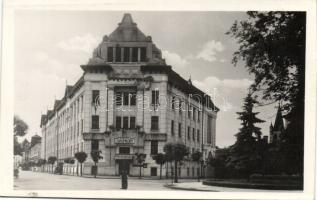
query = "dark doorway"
{"x": 124, "y": 165}
{"x": 153, "y": 171}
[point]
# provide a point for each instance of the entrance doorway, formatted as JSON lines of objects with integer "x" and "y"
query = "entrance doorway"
{"x": 124, "y": 165}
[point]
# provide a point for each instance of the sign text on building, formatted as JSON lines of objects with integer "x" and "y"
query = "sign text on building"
{"x": 124, "y": 140}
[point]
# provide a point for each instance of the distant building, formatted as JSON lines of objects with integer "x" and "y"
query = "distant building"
{"x": 35, "y": 149}
{"x": 129, "y": 101}
{"x": 25, "y": 150}
{"x": 278, "y": 128}
{"x": 17, "y": 159}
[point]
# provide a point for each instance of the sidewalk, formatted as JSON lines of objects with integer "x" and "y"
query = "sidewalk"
{"x": 198, "y": 186}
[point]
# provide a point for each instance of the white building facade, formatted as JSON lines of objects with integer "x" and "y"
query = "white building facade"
{"x": 129, "y": 101}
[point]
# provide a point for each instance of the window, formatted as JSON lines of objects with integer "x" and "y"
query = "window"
{"x": 179, "y": 129}
{"x": 95, "y": 97}
{"x": 180, "y": 106}
{"x": 198, "y": 172}
{"x": 194, "y": 114}
{"x": 193, "y": 171}
{"x": 187, "y": 171}
{"x": 132, "y": 122}
{"x": 118, "y": 123}
{"x": 110, "y": 54}
{"x": 126, "y": 54}
{"x": 198, "y": 116}
{"x": 188, "y": 112}
{"x": 82, "y": 126}
{"x": 154, "y": 123}
{"x": 173, "y": 102}
{"x": 132, "y": 99}
{"x": 77, "y": 128}
{"x": 143, "y": 54}
{"x": 154, "y": 147}
{"x": 153, "y": 171}
{"x": 118, "y": 54}
{"x": 125, "y": 122}
{"x": 95, "y": 122}
{"x": 188, "y": 133}
{"x": 118, "y": 98}
{"x": 198, "y": 135}
{"x": 209, "y": 124}
{"x": 193, "y": 134}
{"x": 126, "y": 98}
{"x": 134, "y": 54}
{"x": 155, "y": 97}
{"x": 179, "y": 171}
{"x": 124, "y": 150}
{"x": 94, "y": 145}
{"x": 172, "y": 127}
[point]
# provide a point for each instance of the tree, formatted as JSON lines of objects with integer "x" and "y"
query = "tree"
{"x": 17, "y": 147}
{"x": 196, "y": 157}
{"x": 19, "y": 128}
{"x": 175, "y": 152}
{"x": 218, "y": 163}
{"x": 81, "y": 158}
{"x": 160, "y": 160}
{"x": 272, "y": 44}
{"x": 95, "y": 155}
{"x": 51, "y": 160}
{"x": 245, "y": 155}
{"x": 140, "y": 157}
{"x": 41, "y": 162}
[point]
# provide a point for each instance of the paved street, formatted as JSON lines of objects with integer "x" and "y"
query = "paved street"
{"x": 45, "y": 181}
{"x": 29, "y": 180}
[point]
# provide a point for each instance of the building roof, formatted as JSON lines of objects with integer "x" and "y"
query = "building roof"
{"x": 278, "y": 124}
{"x": 127, "y": 31}
{"x": 43, "y": 120}
{"x": 179, "y": 82}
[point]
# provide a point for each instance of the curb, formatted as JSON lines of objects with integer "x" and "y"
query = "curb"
{"x": 187, "y": 189}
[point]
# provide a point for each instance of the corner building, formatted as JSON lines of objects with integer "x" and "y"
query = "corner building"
{"x": 129, "y": 101}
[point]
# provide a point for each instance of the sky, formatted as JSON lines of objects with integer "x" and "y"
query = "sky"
{"x": 50, "y": 46}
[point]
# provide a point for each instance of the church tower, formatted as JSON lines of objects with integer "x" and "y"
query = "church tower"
{"x": 278, "y": 128}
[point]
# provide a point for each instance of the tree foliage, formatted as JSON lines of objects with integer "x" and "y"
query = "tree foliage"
{"x": 20, "y": 127}
{"x": 272, "y": 44}
{"x": 140, "y": 158}
{"x": 51, "y": 160}
{"x": 81, "y": 158}
{"x": 246, "y": 153}
{"x": 175, "y": 152}
{"x": 96, "y": 156}
{"x": 160, "y": 159}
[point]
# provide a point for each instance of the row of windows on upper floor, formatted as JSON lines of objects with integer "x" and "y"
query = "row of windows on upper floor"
{"x": 129, "y": 99}
{"x": 65, "y": 152}
{"x": 69, "y": 114}
{"x": 129, "y": 122}
{"x": 68, "y": 134}
{"x": 126, "y": 54}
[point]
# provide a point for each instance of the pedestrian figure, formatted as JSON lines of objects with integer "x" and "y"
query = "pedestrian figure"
{"x": 124, "y": 180}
